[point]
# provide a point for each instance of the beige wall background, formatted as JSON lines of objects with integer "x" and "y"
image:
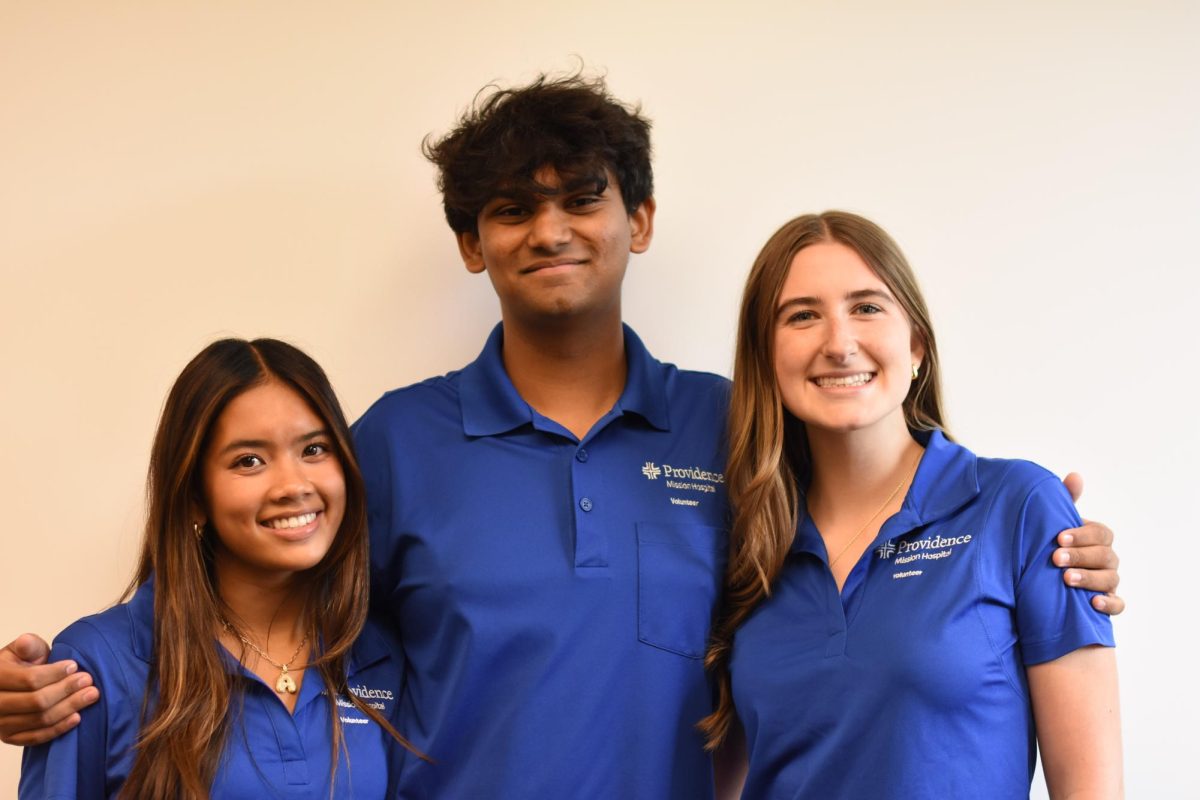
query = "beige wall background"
{"x": 175, "y": 172}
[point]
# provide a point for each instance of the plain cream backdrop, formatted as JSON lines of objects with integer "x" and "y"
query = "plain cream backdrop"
{"x": 174, "y": 172}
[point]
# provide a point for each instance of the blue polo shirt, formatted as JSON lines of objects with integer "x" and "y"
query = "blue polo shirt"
{"x": 911, "y": 682}
{"x": 270, "y": 753}
{"x": 553, "y": 595}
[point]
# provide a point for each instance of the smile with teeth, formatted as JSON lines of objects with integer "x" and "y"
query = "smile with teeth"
{"x": 859, "y": 379}
{"x": 284, "y": 523}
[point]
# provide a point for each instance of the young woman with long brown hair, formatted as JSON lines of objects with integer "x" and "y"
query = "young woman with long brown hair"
{"x": 893, "y": 626}
{"x": 243, "y": 664}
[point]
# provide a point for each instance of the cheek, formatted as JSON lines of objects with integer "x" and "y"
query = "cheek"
{"x": 226, "y": 501}
{"x": 334, "y": 492}
{"x": 612, "y": 241}
{"x": 789, "y": 376}
{"x": 904, "y": 347}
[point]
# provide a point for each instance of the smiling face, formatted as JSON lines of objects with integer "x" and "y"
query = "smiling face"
{"x": 272, "y": 483}
{"x": 560, "y": 253}
{"x": 844, "y": 349}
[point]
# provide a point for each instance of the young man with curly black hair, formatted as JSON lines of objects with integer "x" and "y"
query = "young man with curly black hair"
{"x": 547, "y": 523}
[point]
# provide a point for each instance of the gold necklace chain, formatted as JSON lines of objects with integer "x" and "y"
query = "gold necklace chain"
{"x": 284, "y": 683}
{"x": 878, "y": 511}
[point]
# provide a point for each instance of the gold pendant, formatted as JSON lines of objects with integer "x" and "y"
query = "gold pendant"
{"x": 285, "y": 684}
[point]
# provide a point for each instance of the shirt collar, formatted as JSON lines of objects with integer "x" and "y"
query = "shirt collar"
{"x": 491, "y": 405}
{"x": 369, "y": 648}
{"x": 945, "y": 480}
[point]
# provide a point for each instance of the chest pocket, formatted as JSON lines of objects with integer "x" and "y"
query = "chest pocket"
{"x": 680, "y": 568}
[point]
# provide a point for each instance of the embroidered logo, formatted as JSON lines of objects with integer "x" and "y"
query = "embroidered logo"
{"x": 696, "y": 481}
{"x": 929, "y": 548}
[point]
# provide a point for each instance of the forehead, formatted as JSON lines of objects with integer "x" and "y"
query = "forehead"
{"x": 828, "y": 267}
{"x": 548, "y": 181}
{"x": 266, "y": 411}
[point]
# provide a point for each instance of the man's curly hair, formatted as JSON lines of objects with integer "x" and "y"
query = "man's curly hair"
{"x": 570, "y": 124}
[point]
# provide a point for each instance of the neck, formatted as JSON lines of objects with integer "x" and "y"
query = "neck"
{"x": 572, "y": 373}
{"x": 853, "y": 470}
{"x": 261, "y": 607}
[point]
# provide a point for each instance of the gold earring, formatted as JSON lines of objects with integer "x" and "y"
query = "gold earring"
{"x": 198, "y": 529}
{"x": 916, "y": 371}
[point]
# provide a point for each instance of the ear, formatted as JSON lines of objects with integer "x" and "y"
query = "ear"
{"x": 641, "y": 225}
{"x": 471, "y": 250}
{"x": 917, "y": 349}
{"x": 199, "y": 519}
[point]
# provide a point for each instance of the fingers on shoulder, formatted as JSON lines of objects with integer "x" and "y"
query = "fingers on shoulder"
{"x": 31, "y": 736}
{"x": 28, "y": 716}
{"x": 1093, "y": 578}
{"x": 1093, "y": 533}
{"x": 1109, "y": 603}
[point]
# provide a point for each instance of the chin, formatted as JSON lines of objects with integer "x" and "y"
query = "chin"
{"x": 298, "y": 563}
{"x": 838, "y": 425}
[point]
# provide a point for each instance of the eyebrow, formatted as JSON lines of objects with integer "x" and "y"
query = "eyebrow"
{"x": 261, "y": 444}
{"x": 857, "y": 294}
{"x": 532, "y": 190}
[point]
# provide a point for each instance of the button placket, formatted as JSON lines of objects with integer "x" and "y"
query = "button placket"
{"x": 591, "y": 544}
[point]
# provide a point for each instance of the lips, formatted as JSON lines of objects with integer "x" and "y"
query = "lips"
{"x": 555, "y": 264}
{"x": 844, "y": 381}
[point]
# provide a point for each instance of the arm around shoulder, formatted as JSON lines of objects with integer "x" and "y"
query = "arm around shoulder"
{"x": 40, "y": 695}
{"x": 1087, "y": 558}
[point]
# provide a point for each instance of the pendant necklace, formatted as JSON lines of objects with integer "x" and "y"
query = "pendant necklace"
{"x": 284, "y": 683}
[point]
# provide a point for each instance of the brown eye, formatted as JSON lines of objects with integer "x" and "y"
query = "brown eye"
{"x": 583, "y": 201}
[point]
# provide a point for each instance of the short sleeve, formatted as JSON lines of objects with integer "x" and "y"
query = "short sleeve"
{"x": 71, "y": 767}
{"x": 374, "y": 460}
{"x": 1052, "y": 618}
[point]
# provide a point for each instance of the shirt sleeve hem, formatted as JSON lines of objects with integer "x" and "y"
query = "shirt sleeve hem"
{"x": 1051, "y": 649}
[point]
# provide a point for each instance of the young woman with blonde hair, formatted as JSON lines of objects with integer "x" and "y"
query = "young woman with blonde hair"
{"x": 893, "y": 625}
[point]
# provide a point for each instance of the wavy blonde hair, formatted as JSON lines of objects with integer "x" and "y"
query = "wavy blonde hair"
{"x": 768, "y": 449}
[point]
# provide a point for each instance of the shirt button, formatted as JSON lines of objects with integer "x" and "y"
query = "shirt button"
{"x": 586, "y": 503}
{"x": 581, "y": 455}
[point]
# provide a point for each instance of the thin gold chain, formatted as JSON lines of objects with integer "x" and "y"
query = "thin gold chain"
{"x": 878, "y": 511}
{"x": 285, "y": 666}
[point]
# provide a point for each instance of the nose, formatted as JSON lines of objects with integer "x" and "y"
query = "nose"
{"x": 840, "y": 343}
{"x": 291, "y": 481}
{"x": 549, "y": 228}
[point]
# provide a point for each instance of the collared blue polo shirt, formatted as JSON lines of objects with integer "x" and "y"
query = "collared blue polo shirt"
{"x": 553, "y": 595}
{"x": 911, "y": 682}
{"x": 270, "y": 753}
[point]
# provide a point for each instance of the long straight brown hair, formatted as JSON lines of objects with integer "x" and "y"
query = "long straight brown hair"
{"x": 768, "y": 448}
{"x": 186, "y": 713}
